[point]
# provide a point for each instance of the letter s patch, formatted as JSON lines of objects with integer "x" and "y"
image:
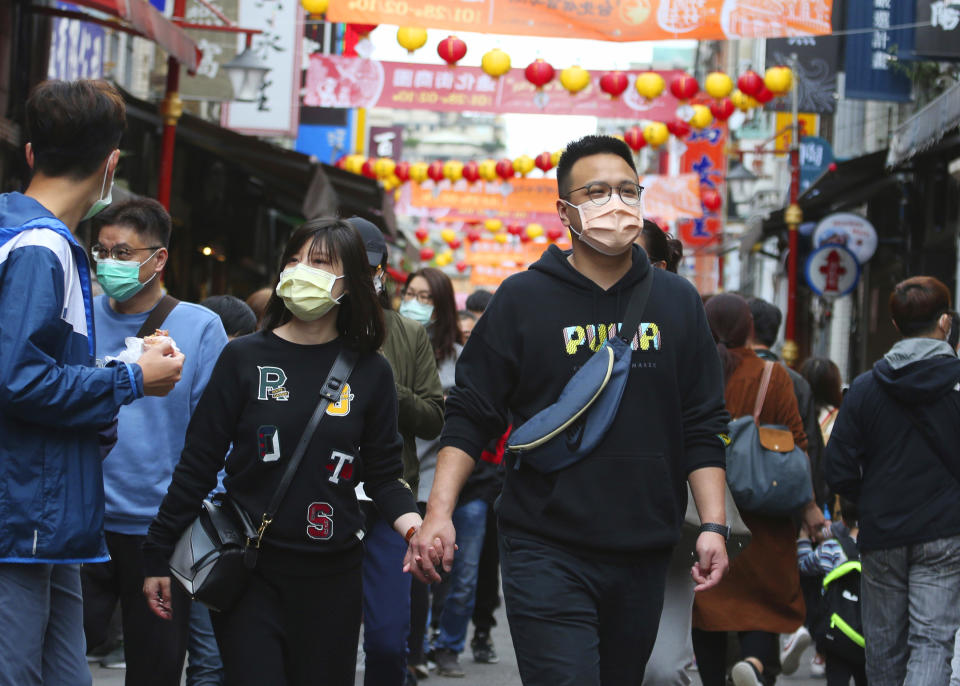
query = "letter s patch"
{"x": 320, "y": 521}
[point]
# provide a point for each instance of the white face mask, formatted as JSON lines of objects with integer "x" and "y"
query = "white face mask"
{"x": 101, "y": 203}
{"x": 307, "y": 291}
{"x": 611, "y": 228}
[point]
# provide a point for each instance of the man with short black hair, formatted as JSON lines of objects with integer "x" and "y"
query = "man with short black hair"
{"x": 235, "y": 315}
{"x": 584, "y": 550}
{"x": 55, "y": 406}
{"x": 477, "y": 302}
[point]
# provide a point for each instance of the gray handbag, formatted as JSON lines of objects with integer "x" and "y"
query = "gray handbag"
{"x": 739, "y": 532}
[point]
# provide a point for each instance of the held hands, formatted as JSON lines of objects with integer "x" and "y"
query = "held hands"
{"x": 161, "y": 366}
{"x": 431, "y": 549}
{"x": 157, "y": 591}
{"x": 711, "y": 562}
{"x": 814, "y": 522}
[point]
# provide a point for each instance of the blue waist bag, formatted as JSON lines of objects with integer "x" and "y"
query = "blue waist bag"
{"x": 571, "y": 428}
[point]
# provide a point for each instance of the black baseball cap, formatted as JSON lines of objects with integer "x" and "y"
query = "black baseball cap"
{"x": 373, "y": 239}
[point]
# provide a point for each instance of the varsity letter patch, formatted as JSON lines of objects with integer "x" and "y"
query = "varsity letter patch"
{"x": 320, "y": 521}
{"x": 341, "y": 408}
{"x": 268, "y": 443}
{"x": 272, "y": 380}
{"x": 340, "y": 465}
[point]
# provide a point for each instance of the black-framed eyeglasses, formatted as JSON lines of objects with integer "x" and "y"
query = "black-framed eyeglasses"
{"x": 422, "y": 297}
{"x": 599, "y": 192}
{"x": 118, "y": 252}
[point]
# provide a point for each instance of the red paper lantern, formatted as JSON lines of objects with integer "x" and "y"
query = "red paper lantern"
{"x": 710, "y": 199}
{"x": 452, "y": 50}
{"x": 614, "y": 83}
{"x": 539, "y": 73}
{"x": 634, "y": 138}
{"x": 471, "y": 171}
{"x": 474, "y": 235}
{"x": 524, "y": 238}
{"x": 422, "y": 234}
{"x": 402, "y": 171}
{"x": 832, "y": 167}
{"x": 363, "y": 29}
{"x": 505, "y": 169}
{"x": 750, "y": 82}
{"x": 764, "y": 95}
{"x": 461, "y": 267}
{"x": 679, "y": 128}
{"x": 722, "y": 109}
{"x": 455, "y": 244}
{"x": 426, "y": 254}
{"x": 341, "y": 163}
{"x": 515, "y": 229}
{"x": 554, "y": 234}
{"x": 435, "y": 171}
{"x": 544, "y": 162}
{"x": 684, "y": 87}
{"x": 369, "y": 169}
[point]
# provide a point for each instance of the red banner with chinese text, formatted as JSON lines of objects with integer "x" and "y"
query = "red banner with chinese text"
{"x": 609, "y": 20}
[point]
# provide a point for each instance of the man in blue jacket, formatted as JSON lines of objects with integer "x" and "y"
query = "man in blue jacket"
{"x": 54, "y": 402}
{"x": 893, "y": 452}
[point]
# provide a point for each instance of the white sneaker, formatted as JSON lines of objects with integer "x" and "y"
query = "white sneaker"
{"x": 744, "y": 674}
{"x": 818, "y": 667}
{"x": 793, "y": 648}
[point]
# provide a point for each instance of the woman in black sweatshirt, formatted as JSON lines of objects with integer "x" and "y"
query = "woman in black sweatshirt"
{"x": 299, "y": 618}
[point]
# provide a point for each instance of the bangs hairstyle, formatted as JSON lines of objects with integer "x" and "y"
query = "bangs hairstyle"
{"x": 72, "y": 126}
{"x": 917, "y": 304}
{"x": 148, "y": 219}
{"x": 445, "y": 327}
{"x": 360, "y": 318}
{"x": 585, "y": 147}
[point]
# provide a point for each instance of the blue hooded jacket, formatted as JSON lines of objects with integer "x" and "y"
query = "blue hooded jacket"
{"x": 53, "y": 400}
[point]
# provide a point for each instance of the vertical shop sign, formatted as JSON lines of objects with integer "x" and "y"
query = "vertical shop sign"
{"x": 76, "y": 48}
{"x": 871, "y": 69}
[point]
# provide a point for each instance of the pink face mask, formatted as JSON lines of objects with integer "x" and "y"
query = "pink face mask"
{"x": 611, "y": 228}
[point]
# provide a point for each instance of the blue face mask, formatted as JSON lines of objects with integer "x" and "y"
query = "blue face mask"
{"x": 416, "y": 311}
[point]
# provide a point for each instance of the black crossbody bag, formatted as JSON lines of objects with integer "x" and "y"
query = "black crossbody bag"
{"x": 213, "y": 558}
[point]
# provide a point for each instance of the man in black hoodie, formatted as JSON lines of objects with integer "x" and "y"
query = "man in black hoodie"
{"x": 585, "y": 549}
{"x": 893, "y": 452}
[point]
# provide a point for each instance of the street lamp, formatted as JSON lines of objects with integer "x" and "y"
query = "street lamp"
{"x": 246, "y": 72}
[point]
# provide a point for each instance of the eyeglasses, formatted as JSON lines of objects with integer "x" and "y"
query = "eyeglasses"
{"x": 599, "y": 192}
{"x": 118, "y": 252}
{"x": 423, "y": 297}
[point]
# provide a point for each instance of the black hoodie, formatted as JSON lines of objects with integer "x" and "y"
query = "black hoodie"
{"x": 540, "y": 327}
{"x": 878, "y": 457}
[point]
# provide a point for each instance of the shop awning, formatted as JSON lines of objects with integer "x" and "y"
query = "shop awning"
{"x": 151, "y": 24}
{"x": 926, "y": 127}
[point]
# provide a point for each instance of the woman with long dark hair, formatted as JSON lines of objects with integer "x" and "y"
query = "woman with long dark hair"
{"x": 298, "y": 620}
{"x": 428, "y": 299}
{"x": 663, "y": 250}
{"x": 760, "y": 597}
{"x": 824, "y": 379}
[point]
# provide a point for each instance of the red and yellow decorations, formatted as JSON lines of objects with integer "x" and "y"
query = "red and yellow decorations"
{"x": 649, "y": 85}
{"x": 419, "y": 172}
{"x": 722, "y": 109}
{"x": 452, "y": 50}
{"x": 369, "y": 168}
{"x": 544, "y": 162}
{"x": 493, "y": 225}
{"x": 634, "y": 138}
{"x": 763, "y": 96}
{"x": 710, "y": 199}
{"x": 410, "y": 37}
{"x": 742, "y": 101}
{"x": 471, "y": 172}
{"x": 554, "y": 234}
{"x": 574, "y": 79}
{"x": 448, "y": 236}
{"x": 679, "y": 128}
{"x": 702, "y": 117}
{"x": 614, "y": 83}
{"x": 354, "y": 164}
{"x": 453, "y": 170}
{"x": 555, "y": 157}
{"x": 435, "y": 171}
{"x": 474, "y": 235}
{"x": 539, "y": 73}
{"x": 501, "y": 238}
{"x": 684, "y": 87}
{"x": 462, "y": 266}
{"x": 718, "y": 85}
{"x": 656, "y": 134}
{"x": 422, "y": 235}
{"x": 749, "y": 83}
{"x": 488, "y": 170}
{"x": 315, "y": 7}
{"x": 523, "y": 165}
{"x": 384, "y": 168}
{"x": 402, "y": 171}
{"x": 495, "y": 63}
{"x": 534, "y": 230}
{"x": 427, "y": 254}
{"x": 514, "y": 229}
{"x": 505, "y": 169}
{"x": 778, "y": 80}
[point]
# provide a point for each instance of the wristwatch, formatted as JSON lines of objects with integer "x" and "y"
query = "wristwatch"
{"x": 716, "y": 529}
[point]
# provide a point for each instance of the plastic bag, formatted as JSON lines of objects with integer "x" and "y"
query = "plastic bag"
{"x": 136, "y": 347}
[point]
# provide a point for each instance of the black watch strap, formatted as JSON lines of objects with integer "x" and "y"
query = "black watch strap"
{"x": 716, "y": 529}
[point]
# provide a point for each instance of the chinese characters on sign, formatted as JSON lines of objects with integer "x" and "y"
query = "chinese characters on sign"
{"x": 76, "y": 48}
{"x": 937, "y": 31}
{"x": 872, "y": 46}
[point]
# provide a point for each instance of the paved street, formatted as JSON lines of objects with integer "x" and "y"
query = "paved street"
{"x": 502, "y": 674}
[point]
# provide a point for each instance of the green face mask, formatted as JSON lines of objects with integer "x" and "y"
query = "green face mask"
{"x": 120, "y": 279}
{"x": 102, "y": 202}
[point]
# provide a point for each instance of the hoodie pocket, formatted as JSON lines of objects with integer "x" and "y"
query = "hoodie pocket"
{"x": 619, "y": 501}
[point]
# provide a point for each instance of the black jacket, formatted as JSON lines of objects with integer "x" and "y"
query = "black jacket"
{"x": 878, "y": 456}
{"x": 540, "y": 327}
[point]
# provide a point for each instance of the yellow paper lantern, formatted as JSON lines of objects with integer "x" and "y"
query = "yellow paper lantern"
{"x": 495, "y": 63}
{"x": 444, "y": 258}
{"x": 500, "y": 238}
{"x": 534, "y": 230}
{"x": 742, "y": 101}
{"x": 418, "y": 171}
{"x": 488, "y": 170}
{"x": 718, "y": 85}
{"x": 555, "y": 157}
{"x": 384, "y": 167}
{"x": 453, "y": 170}
{"x": 354, "y": 163}
{"x": 778, "y": 80}
{"x": 649, "y": 84}
{"x": 575, "y": 78}
{"x": 410, "y": 37}
{"x": 493, "y": 225}
{"x": 656, "y": 134}
{"x": 523, "y": 165}
{"x": 448, "y": 235}
{"x": 315, "y": 6}
{"x": 702, "y": 117}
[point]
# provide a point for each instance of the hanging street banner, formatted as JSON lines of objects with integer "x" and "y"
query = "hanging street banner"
{"x": 608, "y": 20}
{"x": 871, "y": 71}
{"x": 76, "y": 48}
{"x": 705, "y": 156}
{"x": 336, "y": 81}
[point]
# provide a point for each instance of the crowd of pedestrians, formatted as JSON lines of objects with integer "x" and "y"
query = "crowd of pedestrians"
{"x": 416, "y": 500}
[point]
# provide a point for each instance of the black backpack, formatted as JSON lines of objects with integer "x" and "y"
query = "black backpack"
{"x": 841, "y": 623}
